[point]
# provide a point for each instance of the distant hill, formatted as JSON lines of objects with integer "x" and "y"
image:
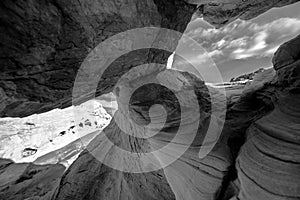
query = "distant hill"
{"x": 248, "y": 76}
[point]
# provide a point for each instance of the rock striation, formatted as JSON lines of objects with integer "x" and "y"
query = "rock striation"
{"x": 268, "y": 163}
{"x": 189, "y": 177}
{"x": 44, "y": 43}
{"x": 255, "y": 157}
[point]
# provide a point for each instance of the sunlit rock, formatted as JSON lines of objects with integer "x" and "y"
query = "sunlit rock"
{"x": 154, "y": 140}
{"x": 33, "y": 137}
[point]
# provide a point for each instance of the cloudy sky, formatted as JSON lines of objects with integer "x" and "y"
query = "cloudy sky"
{"x": 244, "y": 46}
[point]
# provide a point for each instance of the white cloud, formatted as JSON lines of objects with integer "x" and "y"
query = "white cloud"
{"x": 215, "y": 53}
{"x": 271, "y": 51}
{"x": 258, "y": 44}
{"x": 259, "y": 41}
{"x": 240, "y": 42}
{"x": 221, "y": 43}
{"x": 245, "y": 39}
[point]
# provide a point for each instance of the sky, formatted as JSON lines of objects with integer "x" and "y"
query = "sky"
{"x": 241, "y": 46}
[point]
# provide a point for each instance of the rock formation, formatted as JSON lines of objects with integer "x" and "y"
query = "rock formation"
{"x": 255, "y": 158}
{"x": 268, "y": 164}
{"x": 44, "y": 42}
{"x": 30, "y": 138}
{"x": 188, "y": 177}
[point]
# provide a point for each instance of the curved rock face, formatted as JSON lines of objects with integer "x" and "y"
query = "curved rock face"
{"x": 44, "y": 43}
{"x": 287, "y": 54}
{"x": 263, "y": 171}
{"x": 268, "y": 164}
{"x": 171, "y": 130}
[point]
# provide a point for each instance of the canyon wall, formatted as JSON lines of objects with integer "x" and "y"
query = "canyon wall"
{"x": 43, "y": 44}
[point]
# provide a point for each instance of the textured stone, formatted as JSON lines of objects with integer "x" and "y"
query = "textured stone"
{"x": 189, "y": 177}
{"x": 26, "y": 180}
{"x": 43, "y": 45}
{"x": 44, "y": 42}
{"x": 287, "y": 54}
{"x": 268, "y": 164}
{"x": 50, "y": 131}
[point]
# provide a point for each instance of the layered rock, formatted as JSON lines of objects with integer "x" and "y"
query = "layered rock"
{"x": 241, "y": 113}
{"x": 44, "y": 43}
{"x": 164, "y": 172}
{"x": 268, "y": 164}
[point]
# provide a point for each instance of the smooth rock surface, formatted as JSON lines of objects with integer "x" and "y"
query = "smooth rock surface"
{"x": 187, "y": 178}
{"x": 268, "y": 164}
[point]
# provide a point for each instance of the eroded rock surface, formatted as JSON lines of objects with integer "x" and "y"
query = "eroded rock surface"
{"x": 19, "y": 181}
{"x": 187, "y": 178}
{"x": 268, "y": 164}
{"x": 39, "y": 136}
{"x": 43, "y": 44}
